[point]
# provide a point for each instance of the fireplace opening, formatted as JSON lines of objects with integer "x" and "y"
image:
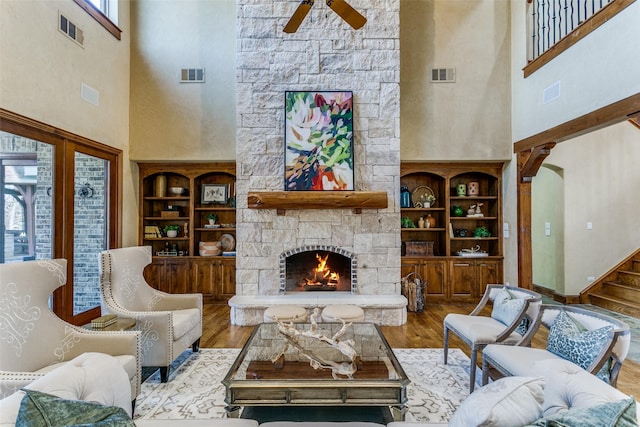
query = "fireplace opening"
{"x": 316, "y": 269}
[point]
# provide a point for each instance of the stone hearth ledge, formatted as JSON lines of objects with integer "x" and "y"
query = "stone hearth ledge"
{"x": 386, "y": 310}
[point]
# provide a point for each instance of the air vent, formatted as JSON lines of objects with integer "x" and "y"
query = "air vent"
{"x": 551, "y": 93}
{"x": 70, "y": 30}
{"x": 443, "y": 75}
{"x": 192, "y": 75}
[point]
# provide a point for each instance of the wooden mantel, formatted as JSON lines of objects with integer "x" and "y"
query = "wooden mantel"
{"x": 283, "y": 200}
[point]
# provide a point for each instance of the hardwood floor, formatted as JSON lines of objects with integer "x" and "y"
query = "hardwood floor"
{"x": 421, "y": 330}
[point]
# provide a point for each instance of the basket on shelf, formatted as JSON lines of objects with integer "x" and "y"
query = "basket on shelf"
{"x": 413, "y": 289}
{"x": 419, "y": 248}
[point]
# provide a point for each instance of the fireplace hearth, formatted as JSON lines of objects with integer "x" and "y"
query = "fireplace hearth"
{"x": 317, "y": 268}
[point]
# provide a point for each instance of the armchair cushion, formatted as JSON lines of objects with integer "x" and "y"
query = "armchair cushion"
{"x": 39, "y": 409}
{"x": 620, "y": 413}
{"x": 184, "y": 321}
{"x": 572, "y": 341}
{"x": 510, "y": 401}
{"x": 506, "y": 308}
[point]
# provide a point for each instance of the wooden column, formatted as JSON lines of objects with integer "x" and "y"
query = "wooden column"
{"x": 525, "y": 255}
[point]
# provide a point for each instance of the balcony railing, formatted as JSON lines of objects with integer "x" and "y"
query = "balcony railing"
{"x": 555, "y": 25}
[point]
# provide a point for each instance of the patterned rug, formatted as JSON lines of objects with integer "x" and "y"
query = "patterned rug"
{"x": 195, "y": 390}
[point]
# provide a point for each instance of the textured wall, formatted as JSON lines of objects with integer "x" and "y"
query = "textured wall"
{"x": 324, "y": 54}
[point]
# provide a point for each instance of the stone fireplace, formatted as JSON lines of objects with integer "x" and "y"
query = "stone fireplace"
{"x": 318, "y": 268}
{"x": 324, "y": 54}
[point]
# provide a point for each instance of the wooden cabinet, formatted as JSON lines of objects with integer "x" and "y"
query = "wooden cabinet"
{"x": 206, "y": 189}
{"x": 461, "y": 250}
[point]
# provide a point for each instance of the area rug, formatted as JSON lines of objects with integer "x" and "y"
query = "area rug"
{"x": 194, "y": 389}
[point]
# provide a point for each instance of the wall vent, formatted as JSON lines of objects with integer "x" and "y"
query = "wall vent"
{"x": 443, "y": 75}
{"x": 192, "y": 75}
{"x": 70, "y": 29}
{"x": 89, "y": 94}
{"x": 551, "y": 93}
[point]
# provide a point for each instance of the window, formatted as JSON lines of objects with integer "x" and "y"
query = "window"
{"x": 59, "y": 195}
{"x": 103, "y": 11}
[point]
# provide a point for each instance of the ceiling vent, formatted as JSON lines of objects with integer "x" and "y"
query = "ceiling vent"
{"x": 192, "y": 75}
{"x": 443, "y": 75}
{"x": 70, "y": 29}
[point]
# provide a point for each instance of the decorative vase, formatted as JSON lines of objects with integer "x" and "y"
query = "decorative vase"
{"x": 473, "y": 188}
{"x": 172, "y": 233}
{"x": 431, "y": 221}
{"x": 421, "y": 222}
{"x": 405, "y": 197}
{"x": 161, "y": 186}
{"x": 462, "y": 190}
{"x": 458, "y": 211}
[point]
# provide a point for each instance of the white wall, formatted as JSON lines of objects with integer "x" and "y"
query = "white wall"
{"x": 602, "y": 178}
{"x": 183, "y": 121}
{"x": 42, "y": 70}
{"x": 598, "y": 70}
{"x": 468, "y": 119}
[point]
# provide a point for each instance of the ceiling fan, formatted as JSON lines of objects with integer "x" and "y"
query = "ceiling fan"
{"x": 341, "y": 7}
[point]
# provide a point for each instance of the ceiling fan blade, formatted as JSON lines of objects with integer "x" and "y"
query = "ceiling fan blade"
{"x": 348, "y": 13}
{"x": 298, "y": 16}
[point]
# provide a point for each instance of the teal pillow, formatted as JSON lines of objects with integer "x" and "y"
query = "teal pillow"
{"x": 621, "y": 413}
{"x": 39, "y": 409}
{"x": 572, "y": 341}
{"x": 506, "y": 307}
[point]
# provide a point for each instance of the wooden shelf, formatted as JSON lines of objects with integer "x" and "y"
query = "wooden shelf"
{"x": 317, "y": 200}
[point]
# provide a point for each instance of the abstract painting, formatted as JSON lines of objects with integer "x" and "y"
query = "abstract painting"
{"x": 318, "y": 140}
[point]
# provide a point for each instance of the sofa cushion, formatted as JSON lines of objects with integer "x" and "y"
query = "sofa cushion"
{"x": 39, "y": 409}
{"x": 620, "y": 413}
{"x": 184, "y": 321}
{"x": 508, "y": 402}
{"x": 569, "y": 386}
{"x": 572, "y": 341}
{"x": 506, "y": 308}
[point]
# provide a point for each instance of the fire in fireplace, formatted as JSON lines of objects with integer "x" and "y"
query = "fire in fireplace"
{"x": 317, "y": 269}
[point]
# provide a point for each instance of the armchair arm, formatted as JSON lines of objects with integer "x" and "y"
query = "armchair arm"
{"x": 114, "y": 343}
{"x": 10, "y": 382}
{"x": 163, "y": 301}
{"x": 484, "y": 300}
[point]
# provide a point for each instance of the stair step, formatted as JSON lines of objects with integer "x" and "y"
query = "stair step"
{"x": 615, "y": 304}
{"x": 627, "y": 277}
{"x": 621, "y": 291}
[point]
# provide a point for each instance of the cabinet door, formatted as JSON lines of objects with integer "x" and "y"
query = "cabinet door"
{"x": 227, "y": 277}
{"x": 489, "y": 271}
{"x": 177, "y": 276}
{"x": 154, "y": 273}
{"x": 435, "y": 274}
{"x": 204, "y": 273}
{"x": 463, "y": 283}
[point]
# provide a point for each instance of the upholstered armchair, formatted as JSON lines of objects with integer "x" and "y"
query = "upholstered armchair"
{"x": 169, "y": 322}
{"x": 594, "y": 341}
{"x": 513, "y": 310}
{"x": 34, "y": 341}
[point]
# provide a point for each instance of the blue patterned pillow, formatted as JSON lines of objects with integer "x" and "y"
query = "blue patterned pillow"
{"x": 506, "y": 308}
{"x": 621, "y": 413}
{"x": 572, "y": 341}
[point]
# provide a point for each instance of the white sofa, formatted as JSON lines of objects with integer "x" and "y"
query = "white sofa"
{"x": 559, "y": 388}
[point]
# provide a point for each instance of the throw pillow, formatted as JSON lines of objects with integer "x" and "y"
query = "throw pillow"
{"x": 572, "y": 341}
{"x": 621, "y": 413}
{"x": 507, "y": 307}
{"x": 508, "y": 402}
{"x": 45, "y": 410}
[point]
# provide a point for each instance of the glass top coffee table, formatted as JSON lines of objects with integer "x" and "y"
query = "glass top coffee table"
{"x": 270, "y": 372}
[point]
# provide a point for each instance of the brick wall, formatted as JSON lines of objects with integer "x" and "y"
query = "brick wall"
{"x": 325, "y": 54}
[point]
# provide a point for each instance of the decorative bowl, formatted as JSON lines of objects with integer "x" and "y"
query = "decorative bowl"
{"x": 209, "y": 248}
{"x": 176, "y": 191}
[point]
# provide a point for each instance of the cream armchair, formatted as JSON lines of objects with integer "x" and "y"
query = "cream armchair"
{"x": 169, "y": 322}
{"x": 34, "y": 341}
{"x": 513, "y": 310}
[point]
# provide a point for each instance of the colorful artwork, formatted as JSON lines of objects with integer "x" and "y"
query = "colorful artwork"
{"x": 319, "y": 140}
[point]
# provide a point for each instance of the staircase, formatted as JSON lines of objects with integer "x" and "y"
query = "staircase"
{"x": 619, "y": 289}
